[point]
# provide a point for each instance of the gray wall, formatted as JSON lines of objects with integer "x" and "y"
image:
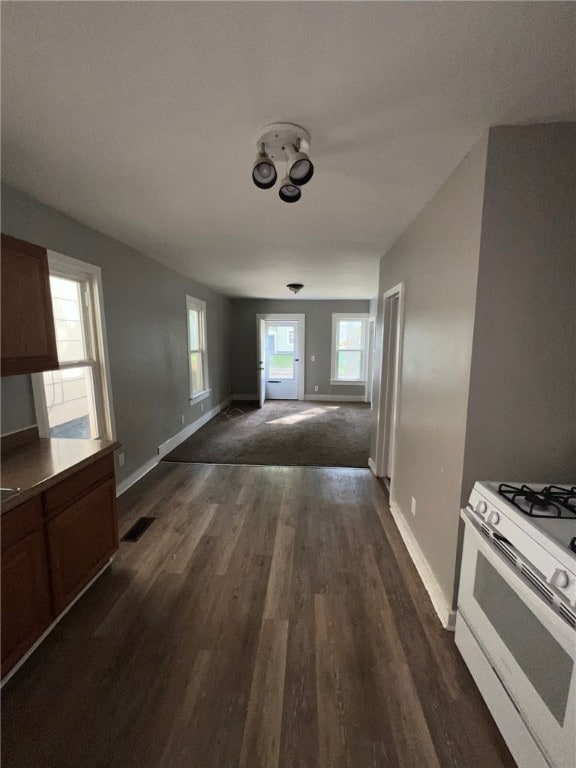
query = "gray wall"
{"x": 437, "y": 260}
{"x": 522, "y": 404}
{"x": 145, "y": 308}
{"x": 318, "y": 341}
{"x": 17, "y": 404}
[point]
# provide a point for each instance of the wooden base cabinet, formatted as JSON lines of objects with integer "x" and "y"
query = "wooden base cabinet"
{"x": 26, "y": 601}
{"x": 81, "y": 539}
{"x": 52, "y": 546}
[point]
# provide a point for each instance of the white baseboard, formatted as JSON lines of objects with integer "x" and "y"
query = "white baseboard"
{"x": 445, "y": 613}
{"x": 169, "y": 445}
{"x": 336, "y": 398}
{"x": 189, "y": 430}
{"x": 320, "y": 398}
{"x": 139, "y": 473}
{"x": 372, "y": 465}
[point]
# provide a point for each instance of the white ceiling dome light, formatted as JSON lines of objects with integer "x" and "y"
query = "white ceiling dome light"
{"x": 283, "y": 142}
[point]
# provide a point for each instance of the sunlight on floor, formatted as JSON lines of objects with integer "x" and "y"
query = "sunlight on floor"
{"x": 295, "y": 418}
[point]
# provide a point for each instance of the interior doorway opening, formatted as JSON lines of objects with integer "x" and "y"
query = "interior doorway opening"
{"x": 391, "y": 363}
{"x": 280, "y": 365}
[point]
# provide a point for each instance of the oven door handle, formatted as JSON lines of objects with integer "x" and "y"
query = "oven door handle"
{"x": 519, "y": 582}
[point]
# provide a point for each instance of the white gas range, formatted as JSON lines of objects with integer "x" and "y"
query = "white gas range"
{"x": 516, "y": 622}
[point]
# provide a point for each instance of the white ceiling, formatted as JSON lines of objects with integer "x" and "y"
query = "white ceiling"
{"x": 138, "y": 119}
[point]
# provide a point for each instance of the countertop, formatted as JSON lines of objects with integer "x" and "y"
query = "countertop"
{"x": 42, "y": 463}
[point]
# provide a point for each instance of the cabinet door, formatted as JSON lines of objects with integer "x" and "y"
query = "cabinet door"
{"x": 81, "y": 539}
{"x": 26, "y": 605}
{"x": 28, "y": 335}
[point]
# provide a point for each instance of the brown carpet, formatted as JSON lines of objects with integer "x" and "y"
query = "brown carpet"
{"x": 282, "y": 433}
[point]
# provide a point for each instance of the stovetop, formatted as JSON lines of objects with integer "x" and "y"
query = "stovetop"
{"x": 552, "y": 501}
{"x": 540, "y": 543}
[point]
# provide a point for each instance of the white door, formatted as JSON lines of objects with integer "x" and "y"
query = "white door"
{"x": 261, "y": 361}
{"x": 281, "y": 359}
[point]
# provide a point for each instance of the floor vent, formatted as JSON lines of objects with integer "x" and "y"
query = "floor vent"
{"x": 140, "y": 526}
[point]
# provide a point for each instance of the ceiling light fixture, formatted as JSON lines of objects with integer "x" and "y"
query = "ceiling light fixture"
{"x": 283, "y": 142}
{"x": 264, "y": 171}
{"x": 295, "y": 287}
{"x": 289, "y": 192}
{"x": 300, "y": 168}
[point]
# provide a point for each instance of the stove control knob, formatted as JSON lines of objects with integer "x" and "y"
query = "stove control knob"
{"x": 481, "y": 507}
{"x": 560, "y": 578}
{"x": 493, "y": 518}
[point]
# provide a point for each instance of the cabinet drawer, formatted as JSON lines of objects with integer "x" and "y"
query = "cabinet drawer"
{"x": 21, "y": 521}
{"x": 26, "y": 603}
{"x": 68, "y": 491}
{"x": 80, "y": 541}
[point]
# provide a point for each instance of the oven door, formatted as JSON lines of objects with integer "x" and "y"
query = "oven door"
{"x": 531, "y": 648}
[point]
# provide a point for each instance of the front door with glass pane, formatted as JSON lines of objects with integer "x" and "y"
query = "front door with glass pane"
{"x": 281, "y": 363}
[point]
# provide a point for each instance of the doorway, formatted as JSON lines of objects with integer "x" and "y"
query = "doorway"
{"x": 390, "y": 384}
{"x": 280, "y": 357}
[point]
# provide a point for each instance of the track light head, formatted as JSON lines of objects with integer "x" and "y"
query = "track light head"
{"x": 283, "y": 142}
{"x": 289, "y": 192}
{"x": 264, "y": 171}
{"x": 300, "y": 168}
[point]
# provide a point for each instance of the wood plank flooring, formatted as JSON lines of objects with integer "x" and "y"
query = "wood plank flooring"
{"x": 270, "y": 618}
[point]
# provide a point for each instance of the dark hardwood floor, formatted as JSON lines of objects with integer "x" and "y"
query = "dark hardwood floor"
{"x": 271, "y": 616}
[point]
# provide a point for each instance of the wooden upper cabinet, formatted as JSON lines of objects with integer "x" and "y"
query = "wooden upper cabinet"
{"x": 28, "y": 335}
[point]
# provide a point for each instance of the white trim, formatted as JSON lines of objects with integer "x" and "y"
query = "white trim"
{"x": 199, "y": 397}
{"x": 45, "y": 634}
{"x": 138, "y": 474}
{"x": 372, "y": 466}
{"x": 198, "y": 305}
{"x": 81, "y": 270}
{"x": 336, "y": 318}
{"x": 369, "y": 389}
{"x": 398, "y": 290}
{"x": 348, "y": 383}
{"x": 337, "y": 398}
{"x": 290, "y": 318}
{"x": 189, "y": 430}
{"x": 168, "y": 446}
{"x": 442, "y": 607}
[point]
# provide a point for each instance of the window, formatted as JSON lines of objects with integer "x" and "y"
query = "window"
{"x": 197, "y": 359}
{"x": 349, "y": 334}
{"x": 75, "y": 400}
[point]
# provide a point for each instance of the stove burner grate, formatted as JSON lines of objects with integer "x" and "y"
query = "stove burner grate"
{"x": 553, "y": 501}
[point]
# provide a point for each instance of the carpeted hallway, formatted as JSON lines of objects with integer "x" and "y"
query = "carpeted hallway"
{"x": 282, "y": 433}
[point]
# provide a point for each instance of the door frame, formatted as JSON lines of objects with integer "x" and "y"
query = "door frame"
{"x": 291, "y": 318}
{"x": 371, "y": 347}
{"x": 382, "y": 426}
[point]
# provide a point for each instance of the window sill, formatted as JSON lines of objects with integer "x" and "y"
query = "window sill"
{"x": 348, "y": 382}
{"x": 199, "y": 397}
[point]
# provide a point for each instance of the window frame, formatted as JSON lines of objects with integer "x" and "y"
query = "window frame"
{"x": 199, "y": 306}
{"x": 337, "y": 318}
{"x": 94, "y": 327}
